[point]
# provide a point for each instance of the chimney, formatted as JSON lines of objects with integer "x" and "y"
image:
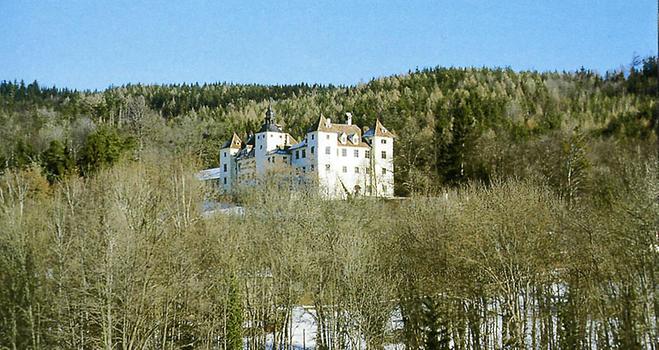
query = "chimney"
{"x": 348, "y": 118}
{"x": 328, "y": 122}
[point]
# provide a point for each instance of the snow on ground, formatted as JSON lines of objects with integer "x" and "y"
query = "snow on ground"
{"x": 304, "y": 327}
{"x": 304, "y": 330}
{"x": 210, "y": 208}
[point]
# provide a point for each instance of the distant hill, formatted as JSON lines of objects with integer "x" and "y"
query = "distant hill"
{"x": 453, "y": 124}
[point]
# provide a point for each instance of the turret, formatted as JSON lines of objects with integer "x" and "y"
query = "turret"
{"x": 382, "y": 159}
{"x": 268, "y": 138}
{"x": 227, "y": 161}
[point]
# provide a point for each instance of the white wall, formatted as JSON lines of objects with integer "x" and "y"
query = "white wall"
{"x": 227, "y": 161}
{"x": 384, "y": 179}
{"x": 331, "y": 182}
{"x": 265, "y": 142}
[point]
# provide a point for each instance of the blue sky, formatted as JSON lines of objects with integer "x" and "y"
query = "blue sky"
{"x": 94, "y": 44}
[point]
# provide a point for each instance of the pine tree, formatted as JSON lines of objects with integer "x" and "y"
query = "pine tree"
{"x": 57, "y": 161}
{"x": 234, "y": 317}
{"x": 456, "y": 134}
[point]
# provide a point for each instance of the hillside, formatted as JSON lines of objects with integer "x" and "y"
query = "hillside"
{"x": 530, "y": 222}
{"x": 453, "y": 125}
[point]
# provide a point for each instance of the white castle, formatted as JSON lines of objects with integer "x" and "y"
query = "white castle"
{"x": 335, "y": 157}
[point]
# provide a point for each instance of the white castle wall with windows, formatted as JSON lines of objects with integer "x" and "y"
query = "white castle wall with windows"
{"x": 336, "y": 156}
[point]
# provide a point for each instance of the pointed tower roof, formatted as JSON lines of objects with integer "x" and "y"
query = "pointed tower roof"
{"x": 269, "y": 124}
{"x": 250, "y": 139}
{"x": 234, "y": 142}
{"x": 379, "y": 130}
{"x": 327, "y": 126}
{"x": 319, "y": 125}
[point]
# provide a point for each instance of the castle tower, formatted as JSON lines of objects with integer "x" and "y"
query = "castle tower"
{"x": 227, "y": 161}
{"x": 382, "y": 160}
{"x": 268, "y": 138}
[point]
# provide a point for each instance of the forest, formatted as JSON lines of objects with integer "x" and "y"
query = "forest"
{"x": 528, "y": 217}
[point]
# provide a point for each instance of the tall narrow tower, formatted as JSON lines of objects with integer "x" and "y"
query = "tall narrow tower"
{"x": 268, "y": 138}
{"x": 382, "y": 160}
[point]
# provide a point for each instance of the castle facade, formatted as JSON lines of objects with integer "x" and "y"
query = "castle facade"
{"x": 335, "y": 157}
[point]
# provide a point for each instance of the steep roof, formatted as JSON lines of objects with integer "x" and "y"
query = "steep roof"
{"x": 270, "y": 127}
{"x": 379, "y": 130}
{"x": 291, "y": 140}
{"x": 269, "y": 124}
{"x": 323, "y": 126}
{"x": 250, "y": 140}
{"x": 234, "y": 142}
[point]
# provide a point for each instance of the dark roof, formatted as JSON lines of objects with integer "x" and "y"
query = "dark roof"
{"x": 279, "y": 151}
{"x": 269, "y": 124}
{"x": 250, "y": 140}
{"x": 245, "y": 153}
{"x": 270, "y": 127}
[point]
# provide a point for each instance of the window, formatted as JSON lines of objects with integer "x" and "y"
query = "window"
{"x": 225, "y": 180}
{"x": 225, "y": 154}
{"x": 281, "y": 136}
{"x": 312, "y": 136}
{"x": 261, "y": 147}
{"x": 328, "y": 150}
{"x": 304, "y": 153}
{"x": 356, "y": 170}
{"x": 285, "y": 158}
{"x": 312, "y": 149}
{"x": 327, "y": 136}
{"x": 356, "y": 153}
{"x": 304, "y": 169}
{"x": 225, "y": 168}
{"x": 345, "y": 169}
{"x": 327, "y": 167}
{"x": 384, "y": 171}
{"x": 384, "y": 188}
{"x": 311, "y": 166}
{"x": 383, "y": 141}
{"x": 367, "y": 153}
{"x": 344, "y": 152}
{"x": 271, "y": 135}
{"x": 384, "y": 154}
{"x": 297, "y": 154}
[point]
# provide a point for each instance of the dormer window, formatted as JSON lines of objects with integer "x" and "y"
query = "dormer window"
{"x": 355, "y": 139}
{"x": 344, "y": 138}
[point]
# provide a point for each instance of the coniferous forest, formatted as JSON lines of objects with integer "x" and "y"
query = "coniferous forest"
{"x": 528, "y": 218}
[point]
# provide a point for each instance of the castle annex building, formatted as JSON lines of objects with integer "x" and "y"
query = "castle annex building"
{"x": 337, "y": 158}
